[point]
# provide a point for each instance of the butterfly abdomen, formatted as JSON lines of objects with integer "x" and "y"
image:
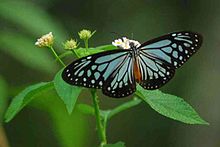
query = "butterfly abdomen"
{"x": 137, "y": 72}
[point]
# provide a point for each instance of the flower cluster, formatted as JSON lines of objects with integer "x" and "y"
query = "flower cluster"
{"x": 124, "y": 43}
{"x": 45, "y": 40}
{"x": 70, "y": 44}
{"x": 85, "y": 34}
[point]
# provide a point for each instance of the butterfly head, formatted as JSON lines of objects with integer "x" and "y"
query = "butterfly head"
{"x": 126, "y": 43}
{"x": 132, "y": 45}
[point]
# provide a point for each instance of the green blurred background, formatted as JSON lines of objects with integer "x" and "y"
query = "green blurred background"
{"x": 45, "y": 122}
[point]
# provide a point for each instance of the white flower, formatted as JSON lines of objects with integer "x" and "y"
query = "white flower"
{"x": 117, "y": 42}
{"x": 125, "y": 43}
{"x": 45, "y": 40}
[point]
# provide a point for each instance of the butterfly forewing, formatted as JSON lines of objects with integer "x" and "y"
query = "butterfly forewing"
{"x": 175, "y": 48}
{"x": 92, "y": 71}
{"x": 121, "y": 82}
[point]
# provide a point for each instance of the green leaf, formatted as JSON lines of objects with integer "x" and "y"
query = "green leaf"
{"x": 3, "y": 97}
{"x": 23, "y": 49}
{"x": 118, "y": 144}
{"x": 86, "y": 109}
{"x": 170, "y": 106}
{"x": 66, "y": 92}
{"x": 106, "y": 47}
{"x": 82, "y": 52}
{"x": 24, "y": 97}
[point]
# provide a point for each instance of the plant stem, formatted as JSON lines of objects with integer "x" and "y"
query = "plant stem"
{"x": 65, "y": 54}
{"x": 105, "y": 120}
{"x": 56, "y": 56}
{"x": 3, "y": 138}
{"x": 100, "y": 127}
{"x": 86, "y": 41}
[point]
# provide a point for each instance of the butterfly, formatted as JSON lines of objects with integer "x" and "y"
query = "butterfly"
{"x": 151, "y": 64}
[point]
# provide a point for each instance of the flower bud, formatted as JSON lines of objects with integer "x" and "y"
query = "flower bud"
{"x": 85, "y": 34}
{"x": 70, "y": 44}
{"x": 45, "y": 40}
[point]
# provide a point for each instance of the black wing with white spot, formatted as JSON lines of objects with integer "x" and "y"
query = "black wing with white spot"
{"x": 175, "y": 48}
{"x": 92, "y": 71}
{"x": 121, "y": 82}
{"x": 154, "y": 73}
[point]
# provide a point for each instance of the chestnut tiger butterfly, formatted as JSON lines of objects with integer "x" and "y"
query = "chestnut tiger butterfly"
{"x": 151, "y": 64}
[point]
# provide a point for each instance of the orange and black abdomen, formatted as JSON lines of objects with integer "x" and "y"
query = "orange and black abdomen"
{"x": 137, "y": 72}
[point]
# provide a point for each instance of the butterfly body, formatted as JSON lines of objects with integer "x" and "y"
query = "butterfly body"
{"x": 151, "y": 64}
{"x": 135, "y": 53}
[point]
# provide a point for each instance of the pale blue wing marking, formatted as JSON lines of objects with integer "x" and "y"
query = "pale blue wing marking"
{"x": 149, "y": 62}
{"x": 102, "y": 67}
{"x": 158, "y": 44}
{"x": 180, "y": 48}
{"x": 89, "y": 73}
{"x": 158, "y": 54}
{"x": 167, "y": 49}
{"x": 97, "y": 75}
{"x": 109, "y": 57}
{"x": 175, "y": 54}
{"x": 182, "y": 39}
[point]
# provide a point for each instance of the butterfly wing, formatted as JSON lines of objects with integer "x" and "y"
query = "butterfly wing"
{"x": 154, "y": 73}
{"x": 159, "y": 57}
{"x": 121, "y": 82}
{"x": 175, "y": 48}
{"x": 92, "y": 71}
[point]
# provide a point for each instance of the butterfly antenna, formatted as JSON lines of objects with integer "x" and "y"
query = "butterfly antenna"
{"x": 132, "y": 36}
{"x": 118, "y": 35}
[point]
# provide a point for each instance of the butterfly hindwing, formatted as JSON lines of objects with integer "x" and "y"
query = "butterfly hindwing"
{"x": 175, "y": 48}
{"x": 92, "y": 71}
{"x": 121, "y": 82}
{"x": 154, "y": 73}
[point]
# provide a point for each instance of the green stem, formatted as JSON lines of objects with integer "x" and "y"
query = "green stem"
{"x": 100, "y": 127}
{"x": 124, "y": 106}
{"x": 74, "y": 53}
{"x": 65, "y": 54}
{"x": 86, "y": 41}
{"x": 56, "y": 56}
{"x": 3, "y": 138}
{"x": 105, "y": 119}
